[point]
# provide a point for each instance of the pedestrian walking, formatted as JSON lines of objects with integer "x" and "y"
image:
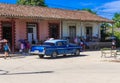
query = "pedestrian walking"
{"x": 6, "y": 49}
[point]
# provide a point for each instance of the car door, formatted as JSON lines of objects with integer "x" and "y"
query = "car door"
{"x": 61, "y": 47}
{"x": 67, "y": 49}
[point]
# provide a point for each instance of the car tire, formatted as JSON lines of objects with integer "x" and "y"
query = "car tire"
{"x": 77, "y": 52}
{"x": 54, "y": 55}
{"x": 41, "y": 56}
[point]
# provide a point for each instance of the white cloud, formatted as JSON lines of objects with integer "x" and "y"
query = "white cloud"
{"x": 108, "y": 9}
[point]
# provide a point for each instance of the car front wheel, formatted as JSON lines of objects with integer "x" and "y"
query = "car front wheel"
{"x": 54, "y": 55}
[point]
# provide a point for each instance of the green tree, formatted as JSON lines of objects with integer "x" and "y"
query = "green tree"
{"x": 32, "y": 2}
{"x": 116, "y": 18}
{"x": 104, "y": 28}
{"x": 89, "y": 10}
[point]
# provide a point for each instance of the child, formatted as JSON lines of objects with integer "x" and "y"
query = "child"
{"x": 6, "y": 49}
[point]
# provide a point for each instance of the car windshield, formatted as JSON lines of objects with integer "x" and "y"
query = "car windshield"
{"x": 48, "y": 43}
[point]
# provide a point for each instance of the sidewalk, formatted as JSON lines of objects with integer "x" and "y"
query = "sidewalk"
{"x": 14, "y": 54}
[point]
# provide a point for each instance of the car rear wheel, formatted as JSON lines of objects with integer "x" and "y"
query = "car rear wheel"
{"x": 77, "y": 52}
{"x": 54, "y": 55}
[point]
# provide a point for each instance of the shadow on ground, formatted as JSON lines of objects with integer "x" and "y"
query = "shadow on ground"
{"x": 15, "y": 56}
{"x": 21, "y": 73}
{"x": 62, "y": 57}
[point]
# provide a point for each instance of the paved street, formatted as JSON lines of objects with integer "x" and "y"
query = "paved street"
{"x": 87, "y": 68}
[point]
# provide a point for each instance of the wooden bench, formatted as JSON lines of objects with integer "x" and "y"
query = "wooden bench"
{"x": 108, "y": 51}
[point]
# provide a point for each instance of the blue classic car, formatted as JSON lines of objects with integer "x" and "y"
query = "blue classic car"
{"x": 54, "y": 48}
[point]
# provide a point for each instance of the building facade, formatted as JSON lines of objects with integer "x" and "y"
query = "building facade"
{"x": 38, "y": 23}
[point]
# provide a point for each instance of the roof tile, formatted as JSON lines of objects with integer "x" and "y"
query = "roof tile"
{"x": 45, "y": 12}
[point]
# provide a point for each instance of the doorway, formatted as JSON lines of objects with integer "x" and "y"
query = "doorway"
{"x": 7, "y": 31}
{"x": 89, "y": 32}
{"x": 72, "y": 32}
{"x": 53, "y": 30}
{"x": 32, "y": 33}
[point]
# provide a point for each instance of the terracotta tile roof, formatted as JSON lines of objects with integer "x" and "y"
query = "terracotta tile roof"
{"x": 10, "y": 10}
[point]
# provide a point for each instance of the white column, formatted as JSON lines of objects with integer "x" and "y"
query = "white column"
{"x": 98, "y": 30}
{"x": 81, "y": 29}
{"x": 99, "y": 35}
{"x": 60, "y": 35}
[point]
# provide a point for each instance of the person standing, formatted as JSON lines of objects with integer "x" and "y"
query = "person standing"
{"x": 22, "y": 47}
{"x": 28, "y": 46}
{"x": 113, "y": 44}
{"x": 6, "y": 49}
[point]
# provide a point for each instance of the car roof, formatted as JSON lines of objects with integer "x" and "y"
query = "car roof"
{"x": 54, "y": 41}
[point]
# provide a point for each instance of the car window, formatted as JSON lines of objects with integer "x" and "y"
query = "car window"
{"x": 47, "y": 43}
{"x": 64, "y": 43}
{"x": 61, "y": 43}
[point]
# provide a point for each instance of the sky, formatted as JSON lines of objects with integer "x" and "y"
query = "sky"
{"x": 104, "y": 8}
